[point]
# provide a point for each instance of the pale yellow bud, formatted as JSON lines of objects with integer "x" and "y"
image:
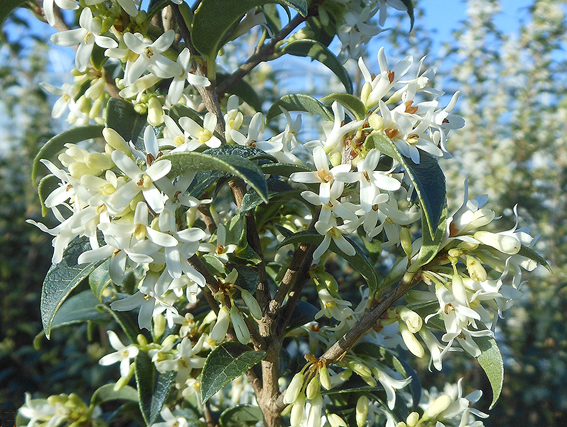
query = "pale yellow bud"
{"x": 503, "y": 243}
{"x": 361, "y": 411}
{"x": 336, "y": 421}
{"x": 336, "y": 159}
{"x": 155, "y": 112}
{"x": 114, "y": 139}
{"x": 252, "y": 304}
{"x": 411, "y": 341}
{"x": 438, "y": 406}
{"x": 365, "y": 93}
{"x": 476, "y": 270}
{"x": 325, "y": 378}
{"x": 376, "y": 122}
{"x": 313, "y": 388}
{"x": 159, "y": 325}
{"x": 297, "y": 410}
{"x": 240, "y": 328}
{"x": 412, "y": 419}
{"x": 405, "y": 238}
{"x": 221, "y": 326}
{"x": 294, "y": 388}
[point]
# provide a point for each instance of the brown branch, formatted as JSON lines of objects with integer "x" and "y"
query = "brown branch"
{"x": 261, "y": 55}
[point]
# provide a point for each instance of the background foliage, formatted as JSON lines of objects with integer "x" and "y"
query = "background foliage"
{"x": 514, "y": 88}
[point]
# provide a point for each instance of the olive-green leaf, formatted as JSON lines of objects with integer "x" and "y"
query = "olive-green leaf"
{"x": 534, "y": 256}
{"x": 153, "y": 387}
{"x": 124, "y": 319}
{"x": 284, "y": 169}
{"x": 491, "y": 362}
{"x": 303, "y": 313}
{"x": 276, "y": 190}
{"x": 319, "y": 52}
{"x": 427, "y": 178}
{"x": 79, "y": 308}
{"x": 241, "y": 416}
{"x": 7, "y": 7}
{"x": 121, "y": 116}
{"x": 299, "y": 102}
{"x": 99, "y": 279}
{"x": 107, "y": 393}
{"x": 430, "y": 246}
{"x": 222, "y": 15}
{"x": 46, "y": 186}
{"x": 243, "y": 90}
{"x": 224, "y": 363}
{"x": 52, "y": 147}
{"x": 353, "y": 104}
{"x": 359, "y": 260}
{"x": 62, "y": 278}
{"x": 182, "y": 163}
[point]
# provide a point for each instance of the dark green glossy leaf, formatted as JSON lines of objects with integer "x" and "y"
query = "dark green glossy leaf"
{"x": 283, "y": 169}
{"x": 245, "y": 152}
{"x": 491, "y": 362}
{"x": 319, "y": 52}
{"x": 247, "y": 278}
{"x": 99, "y": 279}
{"x": 276, "y": 190}
{"x": 350, "y": 102}
{"x": 243, "y": 90}
{"x": 52, "y": 147}
{"x": 299, "y": 102}
{"x": 409, "y": 5}
{"x": 79, "y": 308}
{"x": 303, "y": 313}
{"x": 323, "y": 34}
{"x": 62, "y": 278}
{"x": 225, "y": 363}
{"x": 124, "y": 319}
{"x": 427, "y": 178}
{"x": 272, "y": 17}
{"x": 534, "y": 256}
{"x": 430, "y": 247}
{"x": 107, "y": 393}
{"x": 121, "y": 116}
{"x": 240, "y": 167}
{"x": 153, "y": 387}
{"x": 241, "y": 416}
{"x": 46, "y": 186}
{"x": 222, "y": 15}
{"x": 7, "y": 7}
{"x": 180, "y": 110}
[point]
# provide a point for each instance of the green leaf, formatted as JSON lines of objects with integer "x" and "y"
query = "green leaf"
{"x": 180, "y": 110}
{"x": 359, "y": 260}
{"x": 299, "y": 102}
{"x": 350, "y": 102}
{"x": 491, "y": 362}
{"x": 100, "y": 279}
{"x": 222, "y": 15}
{"x": 121, "y": 116}
{"x": 303, "y": 313}
{"x": 107, "y": 393}
{"x": 323, "y": 34}
{"x": 276, "y": 190}
{"x": 283, "y": 169}
{"x": 52, "y": 147}
{"x": 427, "y": 178}
{"x": 409, "y": 5}
{"x": 185, "y": 162}
{"x": 62, "y": 278}
{"x": 246, "y": 152}
{"x": 79, "y": 308}
{"x": 247, "y": 278}
{"x": 46, "y": 186}
{"x": 319, "y": 52}
{"x": 225, "y": 363}
{"x": 241, "y": 416}
{"x": 430, "y": 247}
{"x": 153, "y": 387}
{"x": 243, "y": 90}
{"x": 124, "y": 319}
{"x": 534, "y": 256}
{"x": 7, "y": 7}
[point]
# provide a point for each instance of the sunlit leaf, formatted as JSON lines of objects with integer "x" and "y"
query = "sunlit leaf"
{"x": 491, "y": 362}
{"x": 107, "y": 393}
{"x": 299, "y": 102}
{"x": 241, "y": 416}
{"x": 121, "y": 116}
{"x": 79, "y": 308}
{"x": 350, "y": 102}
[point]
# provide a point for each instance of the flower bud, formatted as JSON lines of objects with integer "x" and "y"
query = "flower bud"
{"x": 405, "y": 239}
{"x": 314, "y": 415}
{"x": 506, "y": 244}
{"x": 242, "y": 332}
{"x": 458, "y": 289}
{"x": 155, "y": 112}
{"x": 159, "y": 325}
{"x": 221, "y": 326}
{"x": 438, "y": 406}
{"x": 294, "y": 388}
{"x": 411, "y": 319}
{"x": 313, "y": 388}
{"x": 114, "y": 139}
{"x": 325, "y": 378}
{"x": 361, "y": 411}
{"x": 376, "y": 122}
{"x": 336, "y": 159}
{"x": 411, "y": 341}
{"x": 475, "y": 269}
{"x": 252, "y": 304}
{"x": 297, "y": 410}
{"x": 99, "y": 161}
{"x": 365, "y": 93}
{"x": 412, "y": 419}
{"x": 336, "y": 421}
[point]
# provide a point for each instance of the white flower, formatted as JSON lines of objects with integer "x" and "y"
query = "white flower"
{"x": 67, "y": 95}
{"x": 185, "y": 360}
{"x": 177, "y": 85}
{"x": 334, "y": 233}
{"x": 130, "y": 6}
{"x": 63, "y": 4}
{"x": 200, "y": 134}
{"x": 252, "y": 140}
{"x": 86, "y": 37}
{"x": 150, "y": 57}
{"x": 170, "y": 420}
{"x": 123, "y": 354}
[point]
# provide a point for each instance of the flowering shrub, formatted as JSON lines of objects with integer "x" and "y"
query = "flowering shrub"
{"x": 176, "y": 204}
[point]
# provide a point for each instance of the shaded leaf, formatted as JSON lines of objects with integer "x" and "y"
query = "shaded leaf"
{"x": 62, "y": 278}
{"x": 223, "y": 15}
{"x": 153, "y": 387}
{"x": 276, "y": 190}
{"x": 242, "y": 415}
{"x": 350, "y": 102}
{"x": 319, "y": 52}
{"x": 303, "y": 313}
{"x": 99, "y": 279}
{"x": 79, "y": 308}
{"x": 240, "y": 167}
{"x": 225, "y": 363}
{"x": 52, "y": 147}
{"x": 124, "y": 319}
{"x": 430, "y": 247}
{"x": 46, "y": 186}
{"x": 7, "y": 7}
{"x": 284, "y": 169}
{"x": 409, "y": 5}
{"x": 107, "y": 393}
{"x": 427, "y": 178}
{"x": 243, "y": 90}
{"x": 121, "y": 116}
{"x": 299, "y": 102}
{"x": 534, "y": 256}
